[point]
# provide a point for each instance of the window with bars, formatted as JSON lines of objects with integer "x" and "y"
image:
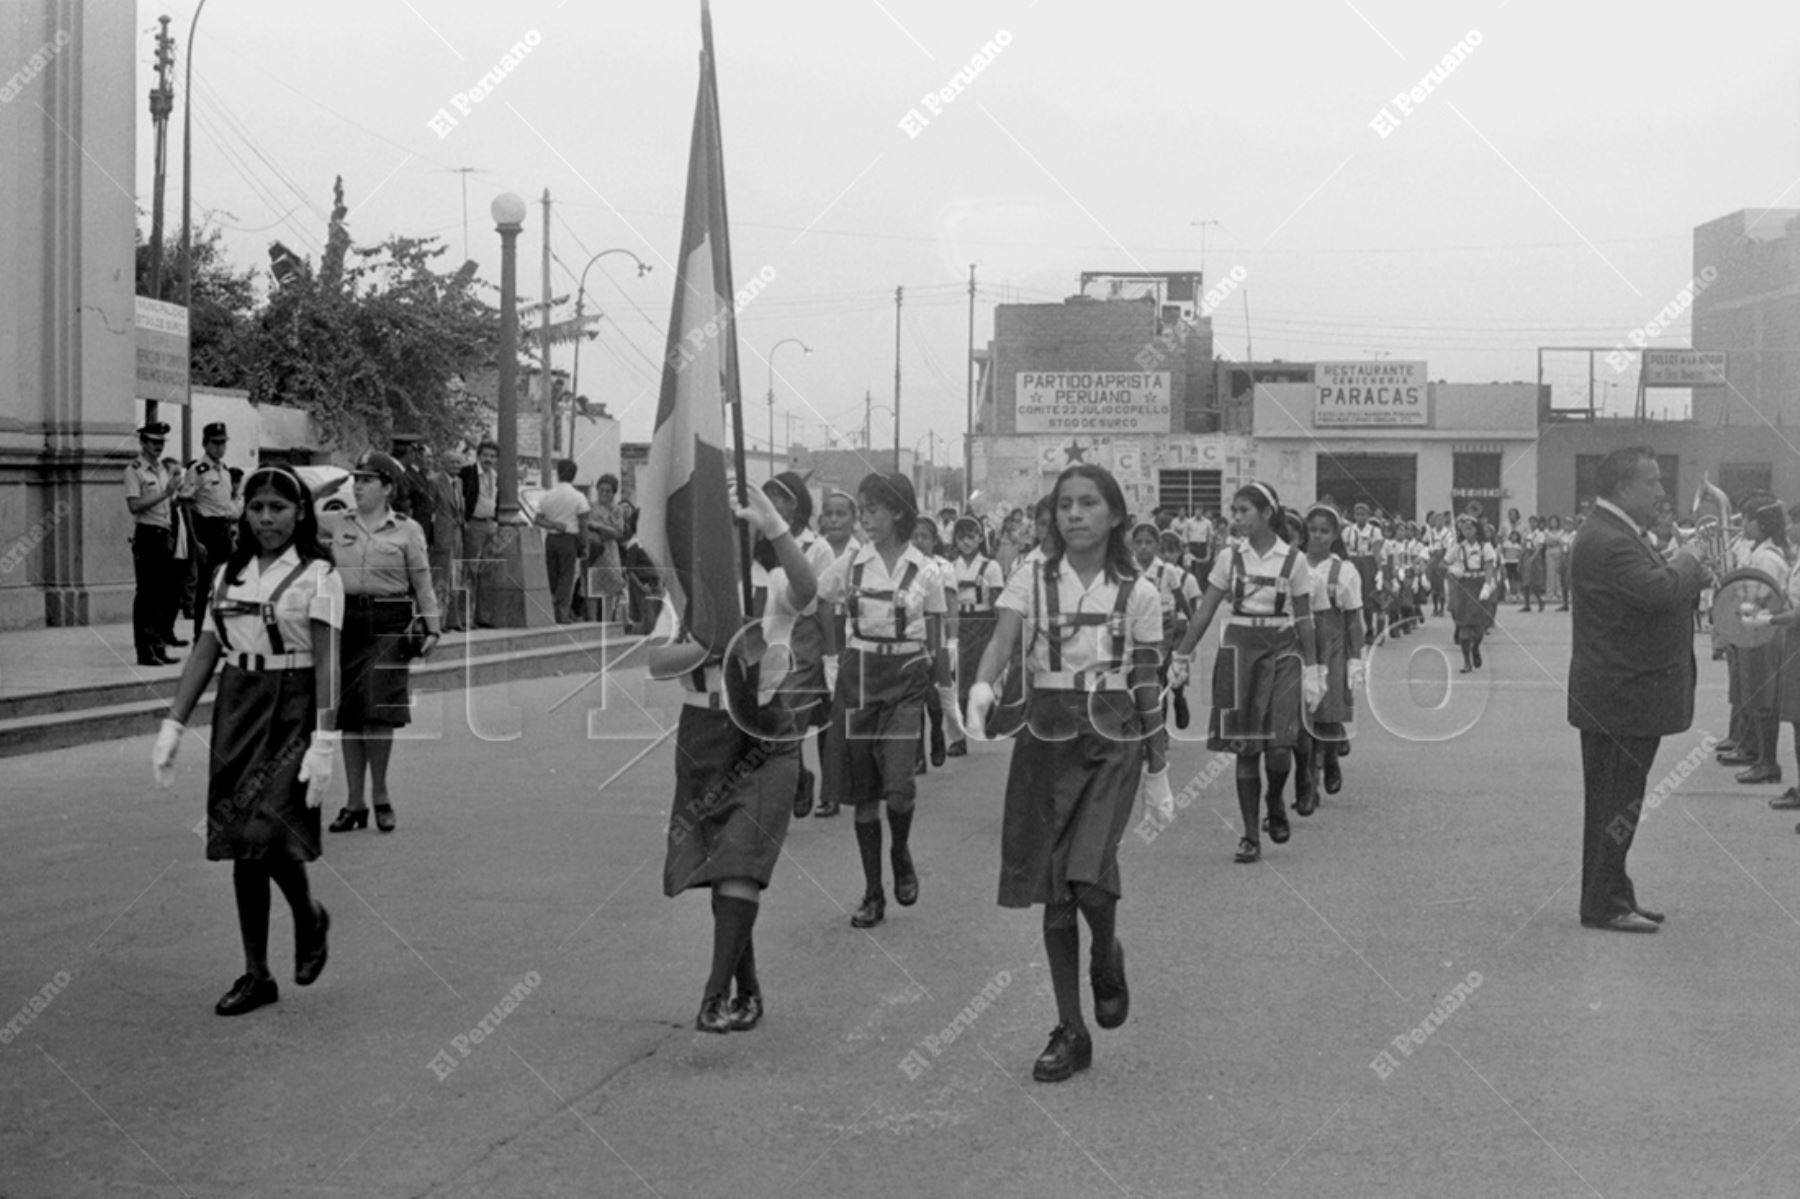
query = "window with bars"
{"x": 1190, "y": 490}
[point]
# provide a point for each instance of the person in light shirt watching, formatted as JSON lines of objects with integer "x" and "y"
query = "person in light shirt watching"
{"x": 562, "y": 514}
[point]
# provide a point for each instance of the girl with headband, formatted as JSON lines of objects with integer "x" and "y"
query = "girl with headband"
{"x": 277, "y": 605}
{"x": 1473, "y": 569}
{"x": 1338, "y": 639}
{"x": 1265, "y": 668}
{"x": 1092, "y": 629}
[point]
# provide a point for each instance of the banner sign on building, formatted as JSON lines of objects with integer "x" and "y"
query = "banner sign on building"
{"x": 1092, "y": 402}
{"x": 1370, "y": 393}
{"x": 1684, "y": 368}
{"x": 162, "y": 351}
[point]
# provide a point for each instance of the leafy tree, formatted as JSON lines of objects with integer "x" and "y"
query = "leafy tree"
{"x": 370, "y": 341}
{"x": 223, "y": 301}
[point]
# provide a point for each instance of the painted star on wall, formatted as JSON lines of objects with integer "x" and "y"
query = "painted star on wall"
{"x": 1074, "y": 453}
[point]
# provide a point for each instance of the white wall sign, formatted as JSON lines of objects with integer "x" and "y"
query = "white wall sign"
{"x": 162, "y": 351}
{"x": 1370, "y": 393}
{"x": 1092, "y": 402}
{"x": 1684, "y": 368}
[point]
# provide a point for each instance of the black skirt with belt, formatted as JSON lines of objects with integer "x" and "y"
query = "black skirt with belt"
{"x": 256, "y": 807}
{"x": 734, "y": 796}
{"x": 373, "y": 690}
{"x": 878, "y": 716}
{"x": 1256, "y": 690}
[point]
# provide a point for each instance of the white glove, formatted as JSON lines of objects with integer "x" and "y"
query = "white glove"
{"x": 1180, "y": 669}
{"x": 831, "y": 673}
{"x": 162, "y": 758}
{"x": 1312, "y": 686}
{"x": 317, "y": 766}
{"x": 1158, "y": 797}
{"x": 981, "y": 702}
{"x": 761, "y": 515}
{"x": 1359, "y": 673}
{"x": 1759, "y": 620}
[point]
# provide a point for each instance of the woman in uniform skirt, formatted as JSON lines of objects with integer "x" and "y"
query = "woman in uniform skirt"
{"x": 942, "y": 576}
{"x": 805, "y": 691}
{"x": 893, "y": 632}
{"x": 1337, "y": 639}
{"x": 277, "y": 604}
{"x": 1759, "y": 667}
{"x": 1471, "y": 568}
{"x": 1264, "y": 670}
{"x": 978, "y": 585}
{"x": 1090, "y": 744}
{"x": 735, "y": 774}
{"x": 837, "y": 529}
{"x": 385, "y": 567}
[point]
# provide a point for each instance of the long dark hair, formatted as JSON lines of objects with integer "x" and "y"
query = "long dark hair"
{"x": 1263, "y": 498}
{"x": 1121, "y": 564}
{"x": 286, "y": 484}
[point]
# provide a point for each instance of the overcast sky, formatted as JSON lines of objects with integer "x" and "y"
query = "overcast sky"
{"x": 1544, "y": 193}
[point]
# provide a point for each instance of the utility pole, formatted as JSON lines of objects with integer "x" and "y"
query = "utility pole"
{"x": 187, "y": 219}
{"x": 868, "y": 417}
{"x": 162, "y": 103}
{"x": 899, "y": 294}
{"x": 968, "y": 487}
{"x": 546, "y": 418}
{"x": 465, "y": 172}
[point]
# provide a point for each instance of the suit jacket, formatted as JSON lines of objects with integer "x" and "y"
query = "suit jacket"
{"x": 1632, "y": 669}
{"x": 471, "y": 488}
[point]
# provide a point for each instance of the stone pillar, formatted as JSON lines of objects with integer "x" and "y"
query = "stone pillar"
{"x": 68, "y": 77}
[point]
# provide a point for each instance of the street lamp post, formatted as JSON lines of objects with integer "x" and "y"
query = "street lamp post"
{"x": 514, "y": 564}
{"x": 807, "y": 351}
{"x": 187, "y": 225}
{"x": 643, "y": 268}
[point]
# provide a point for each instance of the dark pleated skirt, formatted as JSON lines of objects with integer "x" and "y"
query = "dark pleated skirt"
{"x": 255, "y": 802}
{"x": 974, "y": 630}
{"x": 734, "y": 796}
{"x": 803, "y": 691}
{"x": 1471, "y": 617}
{"x": 1256, "y": 691}
{"x": 373, "y": 690}
{"x": 1759, "y": 677}
{"x": 878, "y": 716}
{"x": 1069, "y": 795}
{"x": 1331, "y": 648}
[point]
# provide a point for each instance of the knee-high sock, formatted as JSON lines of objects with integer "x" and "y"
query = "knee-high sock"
{"x": 1249, "y": 789}
{"x": 1101, "y": 912}
{"x": 900, "y": 824}
{"x": 250, "y": 879}
{"x": 291, "y": 878}
{"x": 1277, "y": 762}
{"x": 746, "y": 968}
{"x": 1062, "y": 948}
{"x": 733, "y": 920}
{"x": 868, "y": 844}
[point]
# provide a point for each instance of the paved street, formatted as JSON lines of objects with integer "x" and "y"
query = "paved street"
{"x": 1580, "y": 1062}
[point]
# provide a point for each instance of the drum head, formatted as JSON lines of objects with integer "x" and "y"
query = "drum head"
{"x": 1743, "y": 593}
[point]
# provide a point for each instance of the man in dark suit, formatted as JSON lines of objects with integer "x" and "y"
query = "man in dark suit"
{"x": 1631, "y": 676}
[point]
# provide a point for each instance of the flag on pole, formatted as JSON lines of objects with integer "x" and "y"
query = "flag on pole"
{"x": 686, "y": 525}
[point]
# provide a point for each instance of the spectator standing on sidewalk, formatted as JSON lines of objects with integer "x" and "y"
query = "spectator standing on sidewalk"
{"x": 150, "y": 489}
{"x": 481, "y": 498}
{"x": 446, "y": 541}
{"x": 562, "y": 513}
{"x": 607, "y": 524}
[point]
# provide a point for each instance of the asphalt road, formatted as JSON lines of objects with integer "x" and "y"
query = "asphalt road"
{"x": 1578, "y": 1063}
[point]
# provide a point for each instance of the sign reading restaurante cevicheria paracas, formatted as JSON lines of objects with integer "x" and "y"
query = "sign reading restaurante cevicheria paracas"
{"x": 1370, "y": 393}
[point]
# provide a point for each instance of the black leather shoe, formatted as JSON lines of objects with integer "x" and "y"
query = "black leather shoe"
{"x": 1306, "y": 795}
{"x": 1334, "y": 777}
{"x": 1725, "y": 747}
{"x": 1251, "y": 851}
{"x": 1624, "y": 922}
{"x": 384, "y": 817}
{"x": 938, "y": 748}
{"x": 1344, "y": 750}
{"x": 349, "y": 818}
{"x": 1278, "y": 829}
{"x": 1476, "y": 654}
{"x": 1653, "y": 917}
{"x": 715, "y": 1015}
{"x": 309, "y": 955}
{"x": 803, "y": 795}
{"x": 872, "y": 911}
{"x": 906, "y": 879}
{"x": 1736, "y": 758}
{"x": 746, "y": 1011}
{"x": 1112, "y": 997}
{"x": 827, "y": 807}
{"x": 957, "y": 749}
{"x": 1065, "y": 1055}
{"x": 246, "y": 995}
{"x": 1760, "y": 774}
{"x": 1787, "y": 799}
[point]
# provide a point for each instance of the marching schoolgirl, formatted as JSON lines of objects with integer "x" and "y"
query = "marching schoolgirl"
{"x": 1089, "y": 745}
{"x": 1532, "y": 565}
{"x": 1765, "y": 527}
{"x": 1473, "y": 568}
{"x": 805, "y": 689}
{"x": 1400, "y": 558}
{"x": 1440, "y": 538}
{"x": 942, "y": 575}
{"x": 837, "y": 528}
{"x": 1174, "y": 600}
{"x": 1184, "y": 596}
{"x": 1363, "y": 539}
{"x": 978, "y": 585}
{"x": 277, "y": 605}
{"x": 1264, "y": 670}
{"x": 735, "y": 776}
{"x": 892, "y": 636}
{"x": 1337, "y": 639}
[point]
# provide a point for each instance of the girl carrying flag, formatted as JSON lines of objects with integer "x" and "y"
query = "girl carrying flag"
{"x": 1264, "y": 670}
{"x": 1092, "y": 629}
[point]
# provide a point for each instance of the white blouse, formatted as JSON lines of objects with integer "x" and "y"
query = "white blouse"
{"x": 1259, "y": 598}
{"x": 317, "y": 593}
{"x": 1087, "y": 645}
{"x": 876, "y": 618}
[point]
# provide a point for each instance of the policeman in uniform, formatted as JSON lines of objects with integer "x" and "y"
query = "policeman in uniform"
{"x": 149, "y": 494}
{"x": 214, "y": 514}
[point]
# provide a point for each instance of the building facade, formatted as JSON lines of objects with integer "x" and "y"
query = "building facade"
{"x": 1751, "y": 311}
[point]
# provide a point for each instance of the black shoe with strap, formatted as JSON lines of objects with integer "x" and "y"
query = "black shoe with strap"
{"x": 1112, "y": 997}
{"x": 803, "y": 795}
{"x": 384, "y": 817}
{"x": 349, "y": 818}
{"x": 1248, "y": 850}
{"x": 872, "y": 911}
{"x": 310, "y": 954}
{"x": 1066, "y": 1054}
{"x": 246, "y": 995}
{"x": 715, "y": 1015}
{"x": 746, "y": 1011}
